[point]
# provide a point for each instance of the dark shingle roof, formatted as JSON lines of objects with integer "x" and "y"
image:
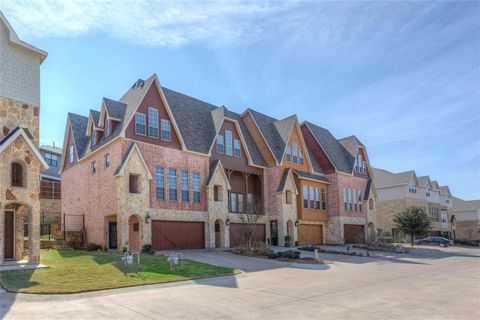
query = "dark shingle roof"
{"x": 125, "y": 156}
{"x": 95, "y": 116}
{"x": 274, "y": 139}
{"x": 341, "y": 158}
{"x": 115, "y": 109}
{"x": 213, "y": 166}
{"x": 283, "y": 180}
{"x": 79, "y": 128}
{"x": 351, "y": 144}
{"x": 198, "y": 121}
{"x": 11, "y": 133}
{"x": 311, "y": 176}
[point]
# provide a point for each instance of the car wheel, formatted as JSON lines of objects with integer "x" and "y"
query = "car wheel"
{"x": 442, "y": 245}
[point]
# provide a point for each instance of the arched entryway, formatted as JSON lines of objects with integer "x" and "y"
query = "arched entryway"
{"x": 290, "y": 230}
{"x": 219, "y": 234}
{"x": 18, "y": 233}
{"x": 134, "y": 233}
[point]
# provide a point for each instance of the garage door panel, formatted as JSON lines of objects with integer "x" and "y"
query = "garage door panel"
{"x": 170, "y": 235}
{"x": 354, "y": 233}
{"x": 310, "y": 234}
{"x": 238, "y": 233}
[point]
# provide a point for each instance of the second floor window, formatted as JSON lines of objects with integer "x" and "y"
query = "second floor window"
{"x": 166, "y": 130}
{"x": 185, "y": 194}
{"x": 140, "y": 124}
{"x": 133, "y": 184}
{"x": 196, "y": 187}
{"x": 153, "y": 122}
{"x": 70, "y": 154}
{"x": 94, "y": 166}
{"x": 51, "y": 159}
{"x": 324, "y": 199}
{"x": 106, "y": 160}
{"x": 220, "y": 146}
{"x": 317, "y": 198}
{"x": 359, "y": 200}
{"x": 172, "y": 193}
{"x": 228, "y": 143}
{"x": 294, "y": 152}
{"x": 107, "y": 128}
{"x": 355, "y": 199}
{"x": 345, "y": 198}
{"x": 160, "y": 183}
{"x": 94, "y": 137}
{"x": 312, "y": 198}
{"x": 17, "y": 175}
{"x": 288, "y": 153}
{"x": 301, "y": 158}
{"x": 288, "y": 196}
{"x": 236, "y": 148}
{"x": 305, "y": 197}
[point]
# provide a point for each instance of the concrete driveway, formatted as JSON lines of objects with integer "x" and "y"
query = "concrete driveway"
{"x": 431, "y": 283}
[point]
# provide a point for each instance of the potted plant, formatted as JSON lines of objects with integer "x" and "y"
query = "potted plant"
{"x": 288, "y": 241}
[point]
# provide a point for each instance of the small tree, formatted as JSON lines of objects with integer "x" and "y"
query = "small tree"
{"x": 412, "y": 220}
{"x": 249, "y": 222}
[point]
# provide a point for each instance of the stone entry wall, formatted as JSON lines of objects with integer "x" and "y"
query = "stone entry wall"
{"x": 18, "y": 114}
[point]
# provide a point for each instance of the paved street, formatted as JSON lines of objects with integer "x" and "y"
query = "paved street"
{"x": 431, "y": 283}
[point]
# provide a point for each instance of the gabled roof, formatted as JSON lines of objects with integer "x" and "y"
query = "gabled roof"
{"x": 276, "y": 132}
{"x": 16, "y": 133}
{"x": 214, "y": 167}
{"x": 341, "y": 159}
{"x": 351, "y": 144}
{"x": 383, "y": 178}
{"x": 435, "y": 185}
{"x": 445, "y": 190}
{"x": 79, "y": 128}
{"x": 131, "y": 148}
{"x": 425, "y": 181}
{"x": 115, "y": 109}
{"x": 13, "y": 38}
{"x": 287, "y": 173}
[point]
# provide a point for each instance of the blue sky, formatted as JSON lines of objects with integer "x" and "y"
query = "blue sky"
{"x": 402, "y": 76}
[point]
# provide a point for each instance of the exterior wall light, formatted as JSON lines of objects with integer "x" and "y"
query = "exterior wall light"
{"x": 147, "y": 218}
{"x": 227, "y": 222}
{"x": 296, "y": 223}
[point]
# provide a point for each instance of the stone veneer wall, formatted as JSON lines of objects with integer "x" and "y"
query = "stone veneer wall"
{"x": 18, "y": 114}
{"x": 51, "y": 209}
{"x": 468, "y": 230}
{"x": 26, "y": 196}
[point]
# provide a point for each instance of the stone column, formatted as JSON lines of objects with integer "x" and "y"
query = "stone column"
{"x": 34, "y": 235}
{"x": 147, "y": 232}
{"x": 2, "y": 232}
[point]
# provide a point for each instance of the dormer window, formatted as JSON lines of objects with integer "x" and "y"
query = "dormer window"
{"x": 427, "y": 192}
{"x": 228, "y": 143}
{"x": 94, "y": 137}
{"x": 236, "y": 148}
{"x": 412, "y": 188}
{"x": 166, "y": 130}
{"x": 107, "y": 128}
{"x": 70, "y": 153}
{"x": 288, "y": 153}
{"x": 51, "y": 159}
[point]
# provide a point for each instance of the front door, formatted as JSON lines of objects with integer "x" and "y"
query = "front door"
{"x": 9, "y": 236}
{"x": 274, "y": 232}
{"x": 112, "y": 235}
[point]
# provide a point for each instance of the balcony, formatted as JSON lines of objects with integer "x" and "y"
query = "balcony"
{"x": 50, "y": 190}
{"x": 244, "y": 203}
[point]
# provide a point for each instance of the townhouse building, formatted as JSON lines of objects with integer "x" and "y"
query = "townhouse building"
{"x": 466, "y": 217}
{"x": 162, "y": 168}
{"x": 50, "y": 185}
{"x": 20, "y": 160}
{"x": 397, "y": 191}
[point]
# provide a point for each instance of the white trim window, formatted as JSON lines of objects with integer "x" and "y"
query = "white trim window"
{"x": 228, "y": 143}
{"x": 94, "y": 137}
{"x": 166, "y": 130}
{"x": 288, "y": 153}
{"x": 106, "y": 160}
{"x": 220, "y": 144}
{"x": 317, "y": 198}
{"x": 345, "y": 198}
{"x": 312, "y": 198}
{"x": 94, "y": 166}
{"x": 70, "y": 154}
{"x": 153, "y": 122}
{"x": 301, "y": 157}
{"x": 355, "y": 199}
{"x": 359, "y": 200}
{"x": 160, "y": 183}
{"x": 107, "y": 128}
{"x": 305, "y": 196}
{"x": 236, "y": 148}
{"x": 140, "y": 124}
{"x": 350, "y": 199}
{"x": 185, "y": 193}
{"x": 172, "y": 177}
{"x": 51, "y": 159}
{"x": 324, "y": 199}
{"x": 294, "y": 152}
{"x": 196, "y": 187}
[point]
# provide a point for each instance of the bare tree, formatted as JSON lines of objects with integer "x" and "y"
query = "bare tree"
{"x": 249, "y": 222}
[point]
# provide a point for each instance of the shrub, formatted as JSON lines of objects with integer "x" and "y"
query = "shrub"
{"x": 124, "y": 249}
{"x": 92, "y": 247}
{"x": 289, "y": 254}
{"x": 147, "y": 248}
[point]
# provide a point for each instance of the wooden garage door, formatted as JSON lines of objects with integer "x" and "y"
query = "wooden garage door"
{"x": 310, "y": 234}
{"x": 354, "y": 233}
{"x": 238, "y": 232}
{"x": 170, "y": 235}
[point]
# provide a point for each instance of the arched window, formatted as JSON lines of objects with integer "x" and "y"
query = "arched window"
{"x": 17, "y": 175}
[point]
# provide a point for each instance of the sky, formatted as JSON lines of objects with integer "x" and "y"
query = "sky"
{"x": 403, "y": 76}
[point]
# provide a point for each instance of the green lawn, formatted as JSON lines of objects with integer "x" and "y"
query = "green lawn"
{"x": 79, "y": 271}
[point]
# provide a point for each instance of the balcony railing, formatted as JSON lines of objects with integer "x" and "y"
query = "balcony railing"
{"x": 241, "y": 203}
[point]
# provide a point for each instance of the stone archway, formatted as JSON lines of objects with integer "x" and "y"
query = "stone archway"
{"x": 219, "y": 234}
{"x": 134, "y": 233}
{"x": 18, "y": 227}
